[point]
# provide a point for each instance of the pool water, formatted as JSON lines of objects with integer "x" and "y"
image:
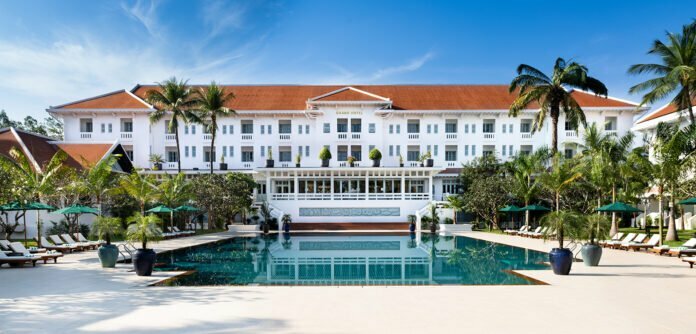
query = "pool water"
{"x": 339, "y": 259}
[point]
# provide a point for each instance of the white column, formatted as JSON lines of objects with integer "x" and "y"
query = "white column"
{"x": 403, "y": 185}
{"x": 332, "y": 185}
{"x": 367, "y": 184}
{"x": 297, "y": 185}
{"x": 430, "y": 187}
{"x": 269, "y": 188}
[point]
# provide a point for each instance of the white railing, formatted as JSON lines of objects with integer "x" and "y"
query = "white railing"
{"x": 384, "y": 197}
{"x": 571, "y": 133}
{"x": 86, "y": 135}
{"x": 451, "y": 136}
{"x": 345, "y": 164}
{"x": 170, "y": 165}
{"x": 350, "y": 196}
{"x": 489, "y": 135}
{"x": 284, "y": 164}
{"x": 611, "y": 132}
{"x": 246, "y": 165}
{"x": 260, "y": 198}
{"x": 284, "y": 137}
{"x": 417, "y": 196}
{"x": 527, "y": 135}
{"x": 342, "y": 135}
{"x": 126, "y": 135}
{"x": 451, "y": 163}
{"x": 355, "y": 135}
{"x": 169, "y": 136}
{"x": 414, "y": 136}
{"x": 207, "y": 136}
{"x": 413, "y": 163}
{"x": 282, "y": 197}
{"x": 247, "y": 137}
{"x": 314, "y": 197}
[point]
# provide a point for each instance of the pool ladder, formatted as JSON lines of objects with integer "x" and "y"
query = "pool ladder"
{"x": 575, "y": 248}
{"x": 126, "y": 250}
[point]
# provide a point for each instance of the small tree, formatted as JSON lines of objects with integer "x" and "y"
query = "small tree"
{"x": 375, "y": 154}
{"x": 434, "y": 216}
{"x": 562, "y": 225}
{"x": 457, "y": 204}
{"x": 325, "y": 154}
{"x": 106, "y": 228}
{"x": 595, "y": 227}
{"x": 144, "y": 229}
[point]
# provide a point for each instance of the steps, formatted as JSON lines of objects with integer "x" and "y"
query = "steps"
{"x": 349, "y": 226}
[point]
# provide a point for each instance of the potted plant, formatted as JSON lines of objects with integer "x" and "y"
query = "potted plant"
{"x": 157, "y": 160}
{"x": 561, "y": 225}
{"x": 223, "y": 165}
{"x": 375, "y": 155}
{"x": 104, "y": 228}
{"x": 434, "y": 218}
{"x": 351, "y": 161}
{"x": 286, "y": 220}
{"x": 401, "y": 161}
{"x": 269, "y": 159}
{"x": 325, "y": 156}
{"x": 298, "y": 159}
{"x": 144, "y": 229}
{"x": 428, "y": 158}
{"x": 265, "y": 211}
{"x": 448, "y": 220}
{"x": 596, "y": 228}
{"x": 411, "y": 222}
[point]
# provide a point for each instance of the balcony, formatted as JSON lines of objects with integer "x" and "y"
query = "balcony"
{"x": 284, "y": 137}
{"x": 342, "y": 135}
{"x": 414, "y": 136}
{"x": 207, "y": 136}
{"x": 571, "y": 133}
{"x": 85, "y": 135}
{"x": 526, "y": 135}
{"x": 611, "y": 132}
{"x": 451, "y": 136}
{"x": 451, "y": 164}
{"x": 355, "y": 136}
{"x": 170, "y": 165}
{"x": 169, "y": 137}
{"x": 127, "y": 135}
{"x": 247, "y": 137}
{"x": 489, "y": 135}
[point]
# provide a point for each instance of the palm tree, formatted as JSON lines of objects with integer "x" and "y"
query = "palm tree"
{"x": 562, "y": 174}
{"x": 456, "y": 203}
{"x": 673, "y": 152}
{"x": 551, "y": 95}
{"x": 140, "y": 187}
{"x": 675, "y": 72}
{"x": 173, "y": 192}
{"x": 172, "y": 96}
{"x": 99, "y": 180}
{"x": 210, "y": 103}
{"x": 523, "y": 169}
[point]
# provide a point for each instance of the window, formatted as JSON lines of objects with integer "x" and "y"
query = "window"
{"x": 193, "y": 129}
{"x": 569, "y": 126}
{"x": 299, "y": 129}
{"x": 263, "y": 151}
{"x": 103, "y": 128}
{"x": 247, "y": 127}
{"x": 224, "y": 151}
{"x": 193, "y": 151}
{"x": 451, "y": 126}
{"x": 126, "y": 125}
{"x": 167, "y": 130}
{"x": 435, "y": 128}
{"x": 327, "y": 127}
{"x": 510, "y": 128}
{"x": 284, "y": 127}
{"x": 398, "y": 150}
{"x": 269, "y": 129}
{"x": 450, "y": 153}
{"x": 224, "y": 131}
{"x": 231, "y": 150}
{"x": 610, "y": 124}
{"x": 231, "y": 128}
{"x": 504, "y": 150}
{"x": 370, "y": 148}
{"x": 488, "y": 126}
{"x": 504, "y": 128}
{"x": 247, "y": 154}
{"x": 473, "y": 128}
{"x": 466, "y": 150}
{"x": 371, "y": 128}
{"x": 526, "y": 126}
{"x": 111, "y": 127}
{"x": 413, "y": 153}
{"x": 342, "y": 125}
{"x": 391, "y": 150}
{"x": 299, "y": 150}
{"x": 510, "y": 149}
{"x": 306, "y": 151}
{"x": 342, "y": 151}
{"x": 171, "y": 156}
{"x": 428, "y": 149}
{"x": 398, "y": 128}
{"x": 356, "y": 152}
{"x": 473, "y": 150}
{"x": 429, "y": 128}
{"x": 263, "y": 130}
{"x": 435, "y": 150}
{"x": 208, "y": 156}
{"x": 284, "y": 154}
{"x": 186, "y": 129}
{"x": 466, "y": 128}
{"x": 129, "y": 153}
{"x": 391, "y": 128}
{"x": 413, "y": 126}
{"x": 568, "y": 153}
{"x": 306, "y": 129}
{"x": 85, "y": 125}
{"x": 186, "y": 151}
{"x": 356, "y": 125}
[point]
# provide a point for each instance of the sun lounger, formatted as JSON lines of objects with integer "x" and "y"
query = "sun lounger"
{"x": 690, "y": 260}
{"x": 688, "y": 248}
{"x": 70, "y": 240}
{"x": 640, "y": 238}
{"x": 4, "y": 245}
{"x": 17, "y": 247}
{"x": 616, "y": 244}
{"x": 529, "y": 233}
{"x": 18, "y": 260}
{"x": 81, "y": 238}
{"x": 514, "y": 232}
{"x": 59, "y": 242}
{"x": 61, "y": 248}
{"x": 537, "y": 233}
{"x": 176, "y": 229}
{"x": 654, "y": 240}
{"x": 616, "y": 237}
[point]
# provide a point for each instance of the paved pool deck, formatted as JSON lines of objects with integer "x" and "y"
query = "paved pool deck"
{"x": 628, "y": 293}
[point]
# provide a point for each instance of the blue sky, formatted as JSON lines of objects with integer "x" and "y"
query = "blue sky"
{"x": 53, "y": 52}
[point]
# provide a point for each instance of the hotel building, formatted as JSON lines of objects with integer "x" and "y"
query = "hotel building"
{"x": 455, "y": 123}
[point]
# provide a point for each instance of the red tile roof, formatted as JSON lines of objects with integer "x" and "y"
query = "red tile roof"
{"x": 404, "y": 97}
{"x": 348, "y": 95}
{"x": 664, "y": 111}
{"x": 114, "y": 100}
{"x": 84, "y": 155}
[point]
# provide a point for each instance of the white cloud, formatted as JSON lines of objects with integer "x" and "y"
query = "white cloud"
{"x": 145, "y": 12}
{"x": 218, "y": 17}
{"x": 411, "y": 66}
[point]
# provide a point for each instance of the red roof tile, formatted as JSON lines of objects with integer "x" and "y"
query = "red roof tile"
{"x": 664, "y": 111}
{"x": 115, "y": 100}
{"x": 84, "y": 155}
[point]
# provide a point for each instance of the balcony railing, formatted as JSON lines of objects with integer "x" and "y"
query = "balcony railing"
{"x": 526, "y": 135}
{"x": 170, "y": 165}
{"x": 284, "y": 136}
{"x": 451, "y": 163}
{"x": 489, "y": 135}
{"x": 247, "y": 137}
{"x": 207, "y": 136}
{"x": 86, "y": 135}
{"x": 571, "y": 133}
{"x": 126, "y": 135}
{"x": 350, "y": 196}
{"x": 169, "y": 136}
{"x": 414, "y": 136}
{"x": 342, "y": 135}
{"x": 355, "y": 135}
{"x": 451, "y": 136}
{"x": 611, "y": 132}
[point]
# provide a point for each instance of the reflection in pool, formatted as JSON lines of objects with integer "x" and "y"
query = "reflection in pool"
{"x": 340, "y": 259}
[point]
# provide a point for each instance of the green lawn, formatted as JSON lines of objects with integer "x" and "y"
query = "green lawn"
{"x": 683, "y": 235}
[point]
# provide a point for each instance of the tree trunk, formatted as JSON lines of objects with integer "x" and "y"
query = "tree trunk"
{"x": 662, "y": 216}
{"x": 558, "y": 201}
{"x": 555, "y": 110}
{"x": 691, "y": 112}
{"x": 526, "y": 214}
{"x": 614, "y": 226}
{"x": 672, "y": 226}
{"x": 178, "y": 149}
{"x": 213, "y": 126}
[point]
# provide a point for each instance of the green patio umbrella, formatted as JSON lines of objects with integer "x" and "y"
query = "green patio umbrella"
{"x": 511, "y": 209}
{"x": 535, "y": 208}
{"x": 187, "y": 208}
{"x": 38, "y": 207}
{"x": 165, "y": 209}
{"x": 618, "y": 207}
{"x": 688, "y": 201}
{"x": 77, "y": 210}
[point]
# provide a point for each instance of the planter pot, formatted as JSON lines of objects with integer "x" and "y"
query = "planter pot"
{"x": 433, "y": 228}
{"x": 352, "y": 164}
{"x": 412, "y": 227}
{"x": 422, "y": 165}
{"x": 223, "y": 166}
{"x": 591, "y": 254}
{"x": 144, "y": 261}
{"x": 269, "y": 163}
{"x": 157, "y": 166}
{"x": 286, "y": 227}
{"x": 561, "y": 260}
{"x": 266, "y": 228}
{"x": 375, "y": 163}
{"x": 297, "y": 165}
{"x": 401, "y": 165}
{"x": 429, "y": 162}
{"x": 325, "y": 163}
{"x": 108, "y": 255}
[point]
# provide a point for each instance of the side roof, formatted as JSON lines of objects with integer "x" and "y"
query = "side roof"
{"x": 120, "y": 99}
{"x": 665, "y": 110}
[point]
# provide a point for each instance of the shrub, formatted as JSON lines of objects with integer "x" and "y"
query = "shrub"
{"x": 62, "y": 227}
{"x": 325, "y": 154}
{"x": 449, "y": 220}
{"x": 375, "y": 154}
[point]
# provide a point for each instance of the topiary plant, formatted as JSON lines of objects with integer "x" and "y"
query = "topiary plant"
{"x": 105, "y": 228}
{"x": 325, "y": 154}
{"x": 375, "y": 154}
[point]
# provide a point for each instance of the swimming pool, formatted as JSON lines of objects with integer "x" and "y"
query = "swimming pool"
{"x": 340, "y": 259}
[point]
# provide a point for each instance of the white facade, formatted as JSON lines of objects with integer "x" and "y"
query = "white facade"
{"x": 349, "y": 128}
